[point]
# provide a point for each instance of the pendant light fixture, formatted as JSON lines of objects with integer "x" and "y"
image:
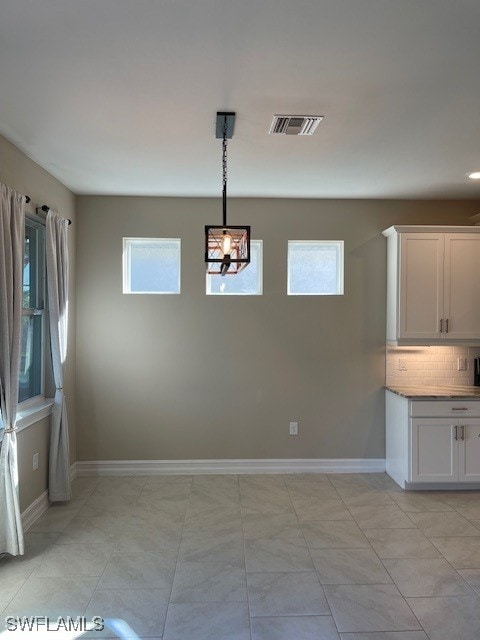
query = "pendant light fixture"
{"x": 227, "y": 247}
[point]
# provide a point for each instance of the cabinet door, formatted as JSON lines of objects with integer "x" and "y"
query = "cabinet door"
{"x": 434, "y": 450}
{"x": 462, "y": 286}
{"x": 421, "y": 285}
{"x": 469, "y": 450}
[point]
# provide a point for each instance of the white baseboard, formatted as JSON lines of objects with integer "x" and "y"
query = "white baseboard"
{"x": 159, "y": 467}
{"x": 41, "y": 504}
{"x": 35, "y": 510}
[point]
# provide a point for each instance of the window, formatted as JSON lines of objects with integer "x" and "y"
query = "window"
{"x": 246, "y": 283}
{"x": 33, "y": 313}
{"x": 315, "y": 268}
{"x": 151, "y": 265}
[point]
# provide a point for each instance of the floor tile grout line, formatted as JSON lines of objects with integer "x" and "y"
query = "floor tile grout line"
{"x": 105, "y": 568}
{"x": 45, "y": 552}
{"x": 313, "y": 565}
{"x": 393, "y": 582}
{"x": 446, "y": 559}
{"x": 405, "y": 597}
{"x": 464, "y": 595}
{"x": 380, "y": 560}
{"x": 245, "y": 563}
{"x": 354, "y": 520}
{"x": 176, "y": 562}
{"x": 297, "y": 615}
{"x": 18, "y": 590}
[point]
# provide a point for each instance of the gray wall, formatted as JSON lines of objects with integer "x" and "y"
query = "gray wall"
{"x": 197, "y": 377}
{"x": 23, "y": 174}
{"x": 33, "y": 439}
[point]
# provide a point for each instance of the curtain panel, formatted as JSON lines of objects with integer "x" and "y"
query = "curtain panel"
{"x": 12, "y": 234}
{"x": 57, "y": 294}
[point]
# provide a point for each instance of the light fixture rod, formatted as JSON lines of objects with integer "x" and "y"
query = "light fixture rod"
{"x": 224, "y": 167}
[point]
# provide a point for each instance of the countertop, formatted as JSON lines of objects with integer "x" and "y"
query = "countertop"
{"x": 427, "y": 392}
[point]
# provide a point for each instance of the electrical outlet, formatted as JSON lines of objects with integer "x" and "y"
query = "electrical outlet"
{"x": 462, "y": 364}
{"x": 294, "y": 428}
{"x": 402, "y": 365}
{"x": 35, "y": 461}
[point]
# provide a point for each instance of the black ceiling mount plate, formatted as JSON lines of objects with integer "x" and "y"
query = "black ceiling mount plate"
{"x": 222, "y": 117}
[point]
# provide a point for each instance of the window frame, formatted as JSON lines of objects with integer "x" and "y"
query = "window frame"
{"x": 340, "y": 279}
{"x": 126, "y": 265}
{"x": 208, "y": 276}
{"x": 40, "y": 304}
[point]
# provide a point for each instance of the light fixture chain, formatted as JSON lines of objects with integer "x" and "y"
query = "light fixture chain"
{"x": 224, "y": 155}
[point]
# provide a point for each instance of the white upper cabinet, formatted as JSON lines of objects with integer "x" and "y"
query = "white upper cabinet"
{"x": 462, "y": 285}
{"x": 433, "y": 285}
{"x": 421, "y": 285}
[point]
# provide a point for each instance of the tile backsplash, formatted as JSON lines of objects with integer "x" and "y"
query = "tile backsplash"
{"x": 429, "y": 365}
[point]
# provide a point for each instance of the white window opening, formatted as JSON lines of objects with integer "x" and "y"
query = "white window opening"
{"x": 31, "y": 379}
{"x": 249, "y": 282}
{"x": 151, "y": 265}
{"x": 315, "y": 268}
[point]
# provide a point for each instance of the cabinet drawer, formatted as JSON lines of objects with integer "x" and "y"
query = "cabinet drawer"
{"x": 445, "y": 408}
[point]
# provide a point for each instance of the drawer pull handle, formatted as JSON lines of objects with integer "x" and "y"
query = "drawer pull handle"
{"x": 459, "y": 408}
{"x": 456, "y": 432}
{"x": 441, "y": 325}
{"x": 446, "y": 325}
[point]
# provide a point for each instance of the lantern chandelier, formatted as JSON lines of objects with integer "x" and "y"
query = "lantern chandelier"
{"x": 227, "y": 247}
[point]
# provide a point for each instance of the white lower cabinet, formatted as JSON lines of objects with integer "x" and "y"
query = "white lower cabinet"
{"x": 469, "y": 451}
{"x": 434, "y": 451}
{"x": 444, "y": 450}
{"x": 432, "y": 441}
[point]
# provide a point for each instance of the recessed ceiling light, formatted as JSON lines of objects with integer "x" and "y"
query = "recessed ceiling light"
{"x": 475, "y": 175}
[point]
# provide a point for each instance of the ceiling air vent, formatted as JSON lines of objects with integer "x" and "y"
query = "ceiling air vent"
{"x": 295, "y": 125}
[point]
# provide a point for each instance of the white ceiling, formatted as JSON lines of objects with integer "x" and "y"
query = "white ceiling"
{"x": 120, "y": 96}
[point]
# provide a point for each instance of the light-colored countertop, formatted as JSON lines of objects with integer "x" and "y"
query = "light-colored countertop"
{"x": 426, "y": 392}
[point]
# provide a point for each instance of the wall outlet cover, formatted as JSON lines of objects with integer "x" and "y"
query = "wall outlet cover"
{"x": 294, "y": 428}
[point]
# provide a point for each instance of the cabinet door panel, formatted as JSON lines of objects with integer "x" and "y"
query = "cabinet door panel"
{"x": 469, "y": 451}
{"x": 421, "y": 285}
{"x": 434, "y": 450}
{"x": 462, "y": 285}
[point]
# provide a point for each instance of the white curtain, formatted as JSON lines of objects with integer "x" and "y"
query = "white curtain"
{"x": 12, "y": 236}
{"x": 57, "y": 292}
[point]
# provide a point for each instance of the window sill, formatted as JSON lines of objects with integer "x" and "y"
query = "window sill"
{"x": 38, "y": 410}
{"x": 33, "y": 413}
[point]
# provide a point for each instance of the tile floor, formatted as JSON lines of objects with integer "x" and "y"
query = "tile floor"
{"x": 293, "y": 557}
